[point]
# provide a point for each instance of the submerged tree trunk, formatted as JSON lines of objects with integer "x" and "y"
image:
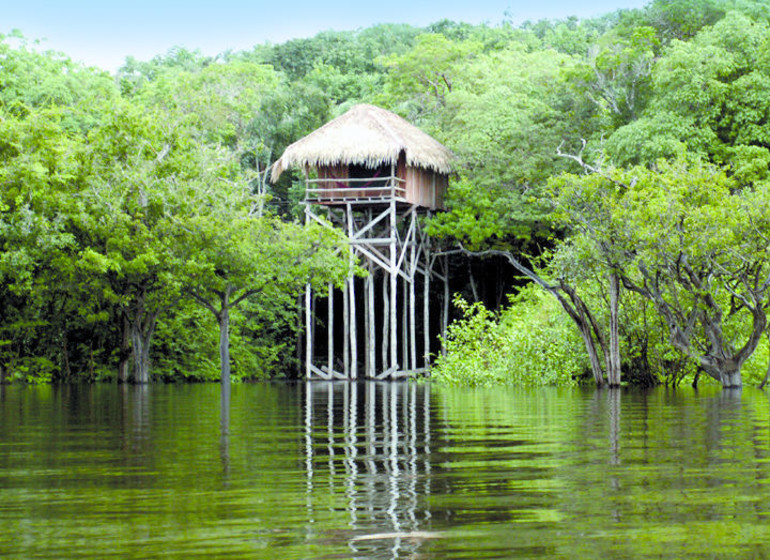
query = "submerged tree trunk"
{"x": 767, "y": 375}
{"x": 224, "y": 341}
{"x": 140, "y": 346}
{"x": 721, "y": 360}
{"x": 613, "y": 361}
{"x": 732, "y": 379}
{"x": 593, "y": 355}
{"x": 222, "y": 315}
{"x": 124, "y": 356}
{"x": 65, "y": 356}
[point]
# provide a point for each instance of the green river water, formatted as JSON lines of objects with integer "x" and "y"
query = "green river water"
{"x": 382, "y": 470}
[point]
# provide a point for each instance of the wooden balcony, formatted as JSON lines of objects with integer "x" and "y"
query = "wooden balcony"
{"x": 373, "y": 190}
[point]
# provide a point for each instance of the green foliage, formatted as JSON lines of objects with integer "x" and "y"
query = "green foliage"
{"x": 710, "y": 95}
{"x": 532, "y": 342}
{"x": 121, "y": 196}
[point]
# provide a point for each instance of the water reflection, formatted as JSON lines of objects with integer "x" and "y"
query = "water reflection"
{"x": 382, "y": 470}
{"x": 371, "y": 442}
{"x": 224, "y": 428}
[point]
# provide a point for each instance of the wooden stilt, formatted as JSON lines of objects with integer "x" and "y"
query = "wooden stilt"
{"x": 352, "y": 307}
{"x": 385, "y": 320}
{"x": 371, "y": 350}
{"x": 445, "y": 310}
{"x": 426, "y": 307}
{"x": 412, "y": 297}
{"x": 346, "y": 334}
{"x": 313, "y": 322}
{"x": 405, "y": 327}
{"x": 330, "y": 327}
{"x": 308, "y": 320}
{"x": 367, "y": 280}
{"x": 393, "y": 287}
{"x": 308, "y": 332}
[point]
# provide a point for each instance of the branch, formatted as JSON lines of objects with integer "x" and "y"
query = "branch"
{"x": 203, "y": 301}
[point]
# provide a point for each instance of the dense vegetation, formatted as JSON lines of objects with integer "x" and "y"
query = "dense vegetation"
{"x": 622, "y": 164}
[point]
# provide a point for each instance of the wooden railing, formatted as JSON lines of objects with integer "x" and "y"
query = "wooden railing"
{"x": 374, "y": 189}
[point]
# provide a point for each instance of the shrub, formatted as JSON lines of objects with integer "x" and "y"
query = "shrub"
{"x": 532, "y": 342}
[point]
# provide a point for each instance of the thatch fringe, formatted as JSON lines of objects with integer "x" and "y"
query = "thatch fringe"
{"x": 369, "y": 136}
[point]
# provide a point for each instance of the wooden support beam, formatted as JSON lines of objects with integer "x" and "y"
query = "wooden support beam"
{"x": 319, "y": 372}
{"x": 330, "y": 329}
{"x": 367, "y": 310}
{"x": 352, "y": 305}
{"x": 445, "y": 310}
{"x": 308, "y": 325}
{"x": 371, "y": 350}
{"x": 393, "y": 287}
{"x": 412, "y": 298}
{"x": 385, "y": 318}
{"x": 405, "y": 327}
{"x": 387, "y": 373}
{"x": 362, "y": 232}
{"x": 346, "y": 330}
{"x": 426, "y": 305}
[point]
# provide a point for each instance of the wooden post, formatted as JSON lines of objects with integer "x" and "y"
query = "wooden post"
{"x": 385, "y": 320}
{"x": 352, "y": 294}
{"x": 313, "y": 321}
{"x": 330, "y": 333}
{"x": 426, "y": 303}
{"x": 367, "y": 280}
{"x": 308, "y": 332}
{"x": 371, "y": 323}
{"x": 405, "y": 328}
{"x": 393, "y": 288}
{"x": 308, "y": 319}
{"x": 445, "y": 314}
{"x": 346, "y": 333}
{"x": 412, "y": 297}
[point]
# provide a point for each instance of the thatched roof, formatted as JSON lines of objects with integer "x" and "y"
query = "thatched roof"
{"x": 365, "y": 135}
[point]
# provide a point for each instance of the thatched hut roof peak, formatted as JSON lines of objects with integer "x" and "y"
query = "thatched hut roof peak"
{"x": 365, "y": 135}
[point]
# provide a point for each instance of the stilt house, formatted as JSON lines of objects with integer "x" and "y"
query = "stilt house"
{"x": 372, "y": 173}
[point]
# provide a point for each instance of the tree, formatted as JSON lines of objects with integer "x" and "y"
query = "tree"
{"x": 427, "y": 72}
{"x": 699, "y": 253}
{"x": 229, "y": 256}
{"x": 141, "y": 168}
{"x": 504, "y": 121}
{"x": 710, "y": 95}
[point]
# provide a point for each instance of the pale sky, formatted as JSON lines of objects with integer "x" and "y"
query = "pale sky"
{"x": 104, "y": 32}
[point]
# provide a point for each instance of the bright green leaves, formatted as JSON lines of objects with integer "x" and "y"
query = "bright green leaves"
{"x": 710, "y": 94}
{"x": 686, "y": 238}
{"x": 427, "y": 72}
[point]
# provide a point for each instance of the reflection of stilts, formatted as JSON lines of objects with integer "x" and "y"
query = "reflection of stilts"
{"x": 379, "y": 433}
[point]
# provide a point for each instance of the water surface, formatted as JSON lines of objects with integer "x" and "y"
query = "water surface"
{"x": 385, "y": 470}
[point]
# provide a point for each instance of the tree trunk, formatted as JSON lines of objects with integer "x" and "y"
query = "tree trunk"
{"x": 732, "y": 379}
{"x": 65, "y": 356}
{"x": 613, "y": 363}
{"x": 767, "y": 375}
{"x": 593, "y": 355}
{"x": 124, "y": 356}
{"x": 140, "y": 345}
{"x": 224, "y": 338}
